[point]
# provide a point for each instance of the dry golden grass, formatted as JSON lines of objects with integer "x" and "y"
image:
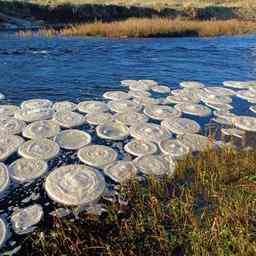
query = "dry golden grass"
{"x": 158, "y": 27}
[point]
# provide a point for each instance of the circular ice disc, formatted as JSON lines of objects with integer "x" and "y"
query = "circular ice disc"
{"x": 223, "y": 121}
{"x": 149, "y": 132}
{"x": 92, "y": 107}
{"x": 97, "y": 155}
{"x": 253, "y": 108}
{"x": 182, "y": 98}
{"x": 127, "y": 82}
{"x": 124, "y": 106}
{"x": 175, "y": 148}
{"x": 64, "y": 106}
{"x": 27, "y": 170}
{"x": 73, "y": 139}
{"x": 41, "y": 129}
{"x": 220, "y": 91}
{"x": 181, "y": 125}
{"x": 3, "y": 232}
{"x": 192, "y": 84}
{"x": 193, "y": 109}
{"x": 121, "y": 171}
{"x": 144, "y": 101}
{"x": 99, "y": 118}
{"x": 195, "y": 142}
{"x": 69, "y": 119}
{"x": 158, "y": 112}
{"x": 4, "y": 178}
{"x": 42, "y": 149}
{"x": 219, "y": 107}
{"x": 248, "y": 95}
{"x": 11, "y": 125}
{"x": 35, "y": 104}
{"x": 233, "y": 132}
{"x": 32, "y": 115}
{"x": 225, "y": 114}
{"x": 161, "y": 89}
{"x": 75, "y": 185}
{"x": 216, "y": 99}
{"x": 140, "y": 148}
{"x": 237, "y": 84}
{"x": 9, "y": 144}
{"x": 112, "y": 131}
{"x": 116, "y": 95}
{"x": 24, "y": 219}
{"x": 154, "y": 165}
{"x": 131, "y": 118}
{"x": 141, "y": 86}
{"x": 138, "y": 94}
{"x": 8, "y": 110}
{"x": 246, "y": 123}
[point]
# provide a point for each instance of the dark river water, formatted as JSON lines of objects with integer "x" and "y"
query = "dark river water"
{"x": 77, "y": 69}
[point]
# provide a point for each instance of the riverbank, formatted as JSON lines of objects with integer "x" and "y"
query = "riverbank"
{"x": 159, "y": 27}
{"x": 208, "y": 208}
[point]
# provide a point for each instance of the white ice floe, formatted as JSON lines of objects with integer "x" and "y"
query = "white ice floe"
{"x": 140, "y": 148}
{"x": 116, "y": 95}
{"x": 246, "y": 123}
{"x": 8, "y": 110}
{"x": 121, "y": 171}
{"x": 192, "y": 84}
{"x": 75, "y": 185}
{"x": 161, "y": 89}
{"x": 42, "y": 149}
{"x": 112, "y": 131}
{"x": 193, "y": 109}
{"x": 41, "y": 129}
{"x": 181, "y": 125}
{"x": 248, "y": 95}
{"x": 69, "y": 119}
{"x": 130, "y": 118}
{"x": 240, "y": 84}
{"x": 220, "y": 91}
{"x": 36, "y": 104}
{"x": 73, "y": 139}
{"x": 11, "y": 125}
{"x": 32, "y": 115}
{"x": 27, "y": 170}
{"x": 97, "y": 155}
{"x": 124, "y": 106}
{"x": 99, "y": 118}
{"x": 233, "y": 132}
{"x": 92, "y": 106}
{"x": 64, "y": 106}
{"x": 25, "y": 219}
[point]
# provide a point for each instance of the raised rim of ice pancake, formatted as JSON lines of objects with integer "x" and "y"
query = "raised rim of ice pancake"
{"x": 42, "y": 149}
{"x": 3, "y": 232}
{"x": 78, "y": 139}
{"x": 121, "y": 171}
{"x": 92, "y": 106}
{"x": 32, "y": 115}
{"x": 35, "y": 104}
{"x": 99, "y": 118}
{"x": 193, "y": 109}
{"x": 122, "y": 106}
{"x": 140, "y": 148}
{"x": 116, "y": 95}
{"x": 192, "y": 84}
{"x": 11, "y": 125}
{"x": 41, "y": 129}
{"x": 75, "y": 185}
{"x": 97, "y": 155}
{"x": 112, "y": 131}
{"x": 161, "y": 89}
{"x": 130, "y": 118}
{"x": 26, "y": 170}
{"x": 69, "y": 119}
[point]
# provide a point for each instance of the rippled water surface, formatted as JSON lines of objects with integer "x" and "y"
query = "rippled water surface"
{"x": 80, "y": 68}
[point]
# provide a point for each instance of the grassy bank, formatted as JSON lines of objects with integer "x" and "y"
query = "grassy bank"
{"x": 208, "y": 208}
{"x": 153, "y": 28}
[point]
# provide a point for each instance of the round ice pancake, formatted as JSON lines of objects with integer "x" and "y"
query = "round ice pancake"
{"x": 221, "y": 91}
{"x": 73, "y": 139}
{"x": 175, "y": 148}
{"x": 155, "y": 165}
{"x": 69, "y": 119}
{"x": 248, "y": 95}
{"x": 121, "y": 171}
{"x": 239, "y": 84}
{"x": 219, "y": 107}
{"x": 112, "y": 131}
{"x": 36, "y": 104}
{"x": 175, "y": 99}
{"x": 99, "y": 118}
{"x": 24, "y": 219}
{"x": 149, "y": 132}
{"x": 8, "y": 110}
{"x": 192, "y": 84}
{"x": 196, "y": 142}
{"x": 216, "y": 99}
{"x": 140, "y": 148}
{"x": 124, "y": 106}
{"x": 141, "y": 86}
{"x": 92, "y": 107}
{"x": 64, "y": 106}
{"x": 116, "y": 95}
{"x": 75, "y": 185}
{"x": 32, "y": 115}
{"x": 181, "y": 125}
{"x": 41, "y": 129}
{"x": 3, "y": 232}
{"x": 42, "y": 149}
{"x": 161, "y": 89}
{"x": 233, "y": 132}
{"x": 158, "y": 112}
{"x": 4, "y": 178}
{"x": 246, "y": 123}
{"x": 130, "y": 118}
{"x": 11, "y": 125}
{"x": 9, "y": 144}
{"x": 97, "y": 155}
{"x": 27, "y": 170}
{"x": 145, "y": 101}
{"x": 138, "y": 94}
{"x": 193, "y": 109}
